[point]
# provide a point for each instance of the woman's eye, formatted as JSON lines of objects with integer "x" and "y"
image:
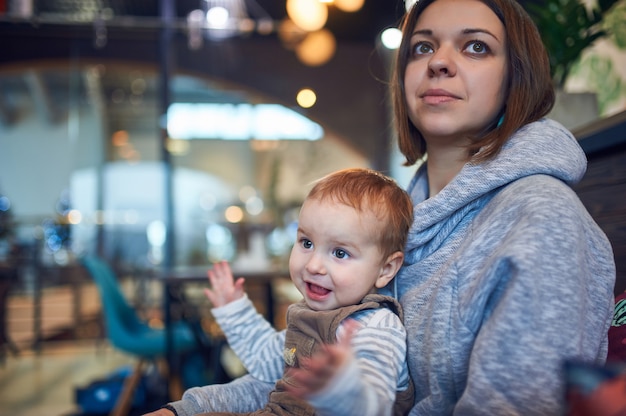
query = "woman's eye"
{"x": 340, "y": 253}
{"x": 477, "y": 47}
{"x": 306, "y": 243}
{"x": 422, "y": 48}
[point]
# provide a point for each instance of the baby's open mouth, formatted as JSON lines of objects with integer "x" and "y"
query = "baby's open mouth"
{"x": 317, "y": 290}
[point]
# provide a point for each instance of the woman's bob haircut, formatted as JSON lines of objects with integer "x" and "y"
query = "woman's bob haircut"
{"x": 530, "y": 90}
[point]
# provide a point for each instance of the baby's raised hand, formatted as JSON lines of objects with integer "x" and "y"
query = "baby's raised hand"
{"x": 224, "y": 288}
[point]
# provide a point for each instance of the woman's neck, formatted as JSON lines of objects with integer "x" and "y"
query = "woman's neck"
{"x": 443, "y": 165}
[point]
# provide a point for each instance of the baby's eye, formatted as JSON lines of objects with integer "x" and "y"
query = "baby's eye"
{"x": 306, "y": 243}
{"x": 477, "y": 47}
{"x": 340, "y": 253}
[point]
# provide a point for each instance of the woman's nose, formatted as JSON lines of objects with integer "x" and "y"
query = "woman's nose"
{"x": 442, "y": 63}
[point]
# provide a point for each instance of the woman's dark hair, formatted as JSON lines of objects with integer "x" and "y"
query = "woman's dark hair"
{"x": 529, "y": 95}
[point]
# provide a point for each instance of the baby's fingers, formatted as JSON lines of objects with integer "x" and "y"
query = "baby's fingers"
{"x": 211, "y": 296}
{"x": 218, "y": 272}
{"x": 303, "y": 382}
{"x": 351, "y": 327}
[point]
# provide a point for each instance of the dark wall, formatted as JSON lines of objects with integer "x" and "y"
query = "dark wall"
{"x": 603, "y": 188}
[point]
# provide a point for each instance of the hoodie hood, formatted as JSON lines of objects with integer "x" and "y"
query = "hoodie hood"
{"x": 543, "y": 147}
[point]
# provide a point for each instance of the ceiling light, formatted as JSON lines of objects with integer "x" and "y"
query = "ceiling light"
{"x": 222, "y": 17}
{"x": 310, "y": 15}
{"x": 349, "y": 5}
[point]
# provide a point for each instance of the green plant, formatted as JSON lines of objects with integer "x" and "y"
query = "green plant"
{"x": 567, "y": 28}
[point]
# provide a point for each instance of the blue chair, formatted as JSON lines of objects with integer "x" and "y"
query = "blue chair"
{"x": 128, "y": 333}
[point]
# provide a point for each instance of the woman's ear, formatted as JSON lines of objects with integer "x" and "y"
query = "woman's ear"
{"x": 389, "y": 268}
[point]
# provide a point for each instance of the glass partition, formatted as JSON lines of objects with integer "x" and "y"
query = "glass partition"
{"x": 82, "y": 170}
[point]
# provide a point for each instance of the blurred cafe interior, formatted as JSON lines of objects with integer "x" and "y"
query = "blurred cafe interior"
{"x": 141, "y": 141}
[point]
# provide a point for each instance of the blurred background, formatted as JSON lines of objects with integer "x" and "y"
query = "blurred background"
{"x": 123, "y": 118}
{"x": 164, "y": 135}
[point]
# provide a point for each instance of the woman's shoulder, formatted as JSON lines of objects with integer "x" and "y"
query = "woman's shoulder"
{"x": 534, "y": 204}
{"x": 537, "y": 193}
{"x": 538, "y": 184}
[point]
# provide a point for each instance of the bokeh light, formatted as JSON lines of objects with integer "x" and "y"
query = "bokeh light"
{"x": 254, "y": 205}
{"x": 156, "y": 233}
{"x": 119, "y": 138}
{"x": 247, "y": 192}
{"x": 220, "y": 243}
{"x": 5, "y": 203}
{"x": 310, "y": 15}
{"x": 306, "y": 98}
{"x": 74, "y": 217}
{"x": 290, "y": 34}
{"x": 317, "y": 48}
{"x": 391, "y": 38}
{"x": 349, "y": 5}
{"x": 217, "y": 17}
{"x": 233, "y": 214}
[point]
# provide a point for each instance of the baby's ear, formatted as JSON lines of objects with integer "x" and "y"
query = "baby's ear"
{"x": 389, "y": 268}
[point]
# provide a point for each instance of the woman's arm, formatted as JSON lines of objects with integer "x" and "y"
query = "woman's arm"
{"x": 550, "y": 300}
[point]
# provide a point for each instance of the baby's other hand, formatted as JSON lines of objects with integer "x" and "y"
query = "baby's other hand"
{"x": 224, "y": 288}
{"x": 316, "y": 372}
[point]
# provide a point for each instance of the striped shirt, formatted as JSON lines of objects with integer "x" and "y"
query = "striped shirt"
{"x": 367, "y": 386}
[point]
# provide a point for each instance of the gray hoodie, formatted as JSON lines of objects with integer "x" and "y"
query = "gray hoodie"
{"x": 506, "y": 276}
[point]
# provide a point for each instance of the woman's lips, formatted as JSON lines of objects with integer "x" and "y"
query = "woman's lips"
{"x": 438, "y": 96}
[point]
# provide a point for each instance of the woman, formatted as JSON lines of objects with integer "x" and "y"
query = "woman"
{"x": 506, "y": 275}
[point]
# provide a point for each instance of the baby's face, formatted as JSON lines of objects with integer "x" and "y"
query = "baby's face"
{"x": 336, "y": 260}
